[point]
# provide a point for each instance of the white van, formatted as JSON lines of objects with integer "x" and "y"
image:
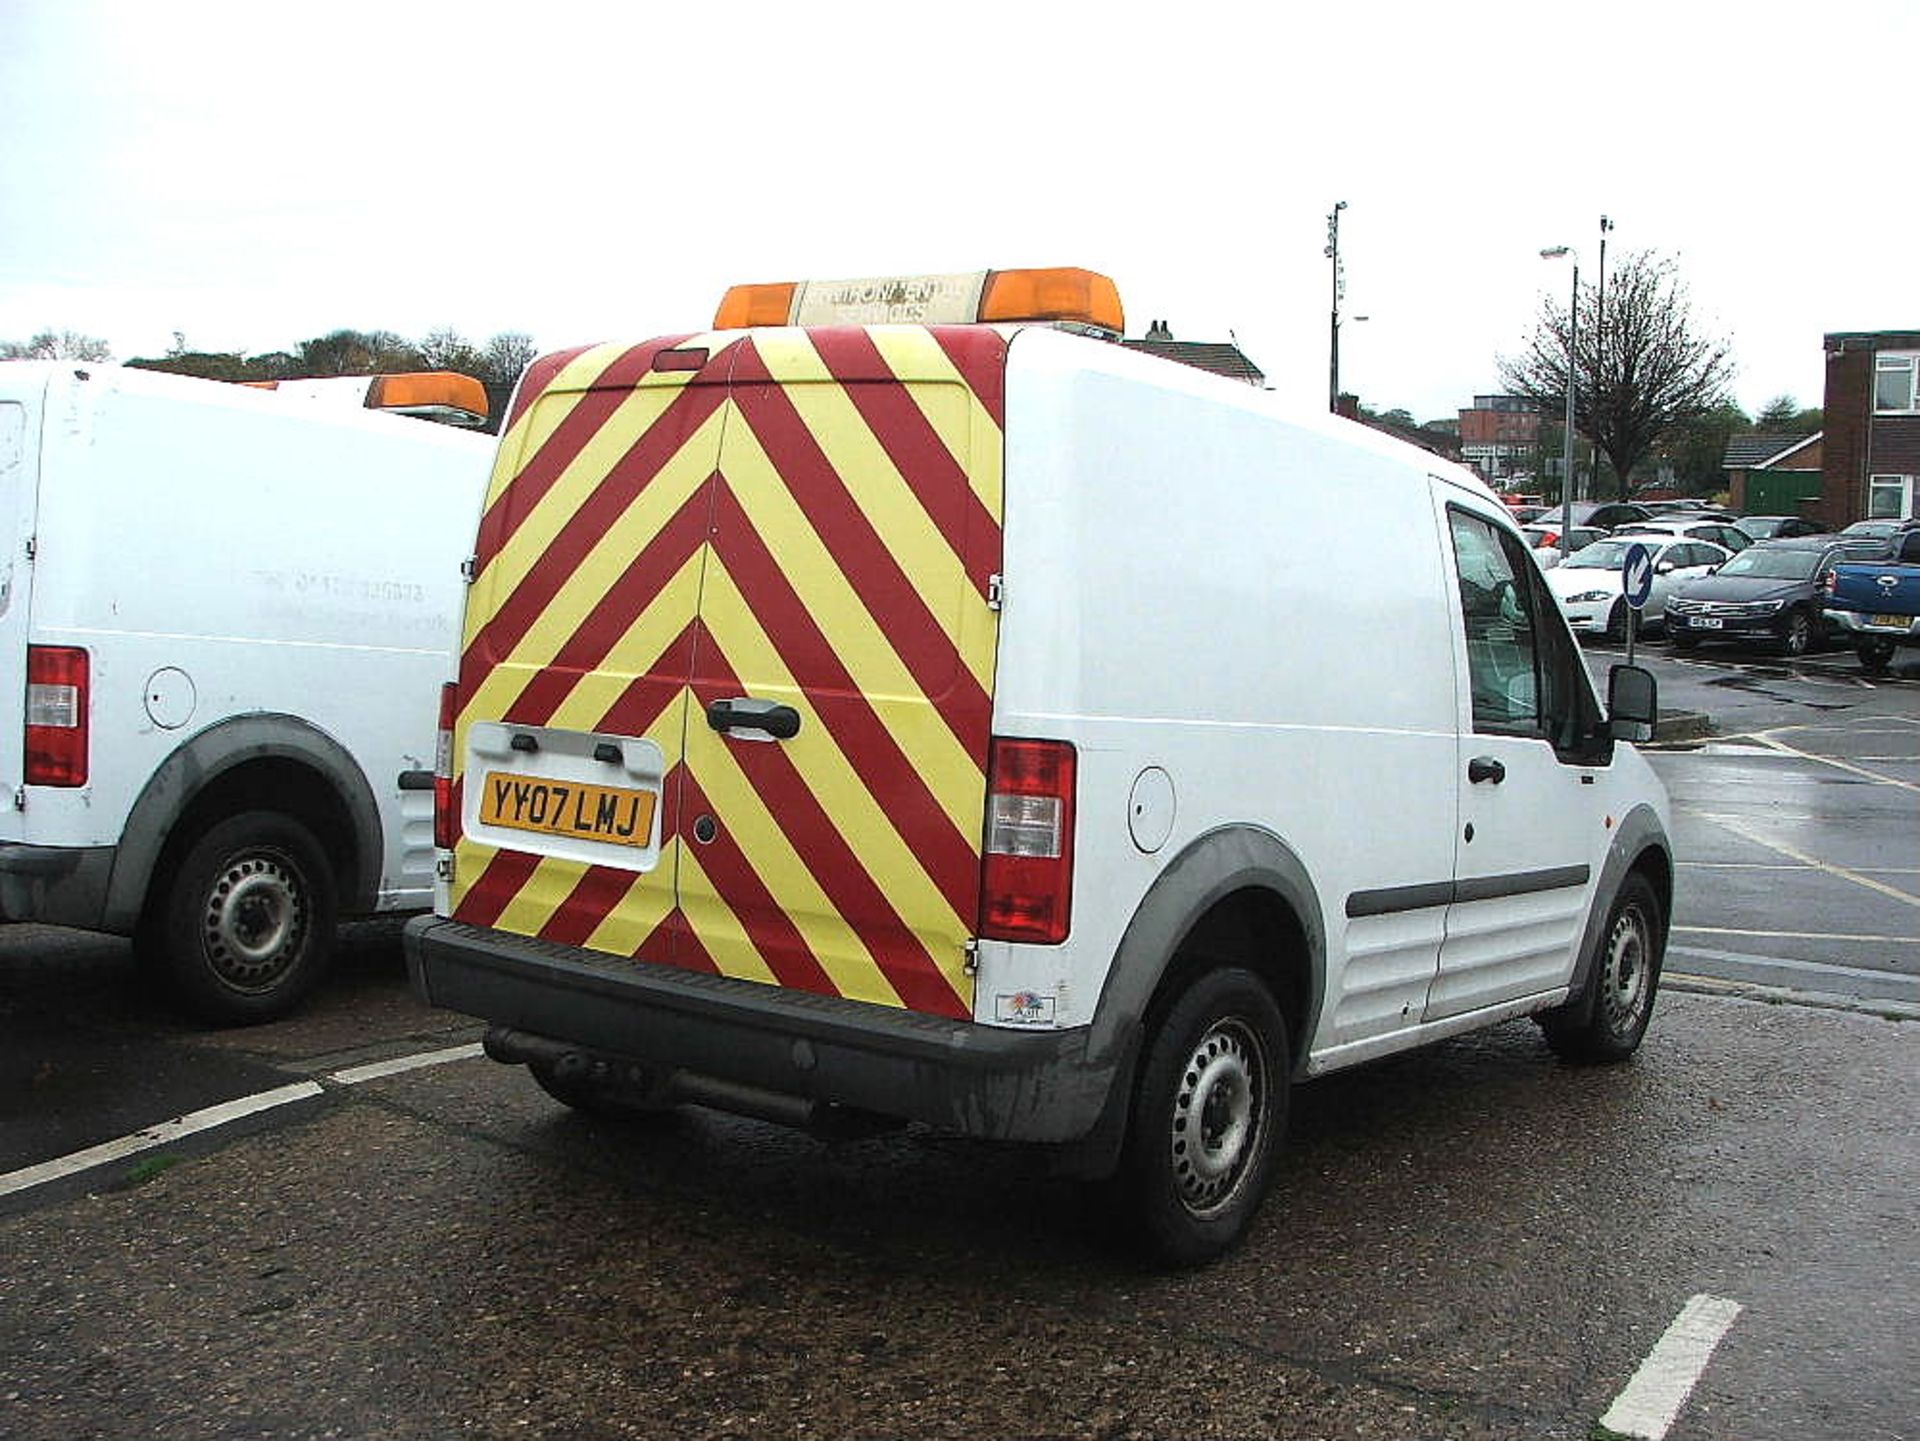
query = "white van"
{"x": 983, "y": 725}
{"x": 226, "y": 614}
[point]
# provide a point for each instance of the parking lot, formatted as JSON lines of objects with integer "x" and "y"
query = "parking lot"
{"x": 1472, "y": 1241}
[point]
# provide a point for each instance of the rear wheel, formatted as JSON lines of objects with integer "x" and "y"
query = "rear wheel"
{"x": 1876, "y": 656}
{"x": 246, "y": 920}
{"x": 1208, "y": 1114}
{"x": 1612, "y": 1014}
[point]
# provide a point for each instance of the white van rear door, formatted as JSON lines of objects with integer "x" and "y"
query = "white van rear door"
{"x": 1531, "y": 833}
{"x": 22, "y": 389}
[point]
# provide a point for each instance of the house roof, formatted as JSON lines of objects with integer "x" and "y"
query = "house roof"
{"x": 1756, "y": 448}
{"x": 1221, "y": 358}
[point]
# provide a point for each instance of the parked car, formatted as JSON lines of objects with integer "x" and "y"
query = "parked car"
{"x": 1589, "y": 588}
{"x": 1685, "y": 509}
{"x": 1772, "y": 592}
{"x": 1778, "y": 527}
{"x": 1881, "y": 528}
{"x": 1874, "y": 598}
{"x": 1720, "y": 533}
{"x": 1544, "y": 540}
{"x": 1608, "y": 514}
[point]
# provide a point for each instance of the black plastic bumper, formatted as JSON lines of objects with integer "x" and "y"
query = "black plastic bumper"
{"x": 57, "y": 885}
{"x": 977, "y": 1080}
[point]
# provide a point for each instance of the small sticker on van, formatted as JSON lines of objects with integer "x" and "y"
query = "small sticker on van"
{"x": 1024, "y": 1008}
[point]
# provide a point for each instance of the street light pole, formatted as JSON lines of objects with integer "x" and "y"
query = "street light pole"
{"x": 1333, "y": 344}
{"x": 1557, "y": 252}
{"x": 1600, "y": 348}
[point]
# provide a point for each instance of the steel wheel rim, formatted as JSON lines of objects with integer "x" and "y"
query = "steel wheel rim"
{"x": 255, "y": 918}
{"x": 1624, "y": 978}
{"x": 1219, "y": 1116}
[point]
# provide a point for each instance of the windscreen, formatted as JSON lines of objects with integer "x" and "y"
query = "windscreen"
{"x": 1773, "y": 564}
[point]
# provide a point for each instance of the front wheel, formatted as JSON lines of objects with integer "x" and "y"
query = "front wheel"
{"x": 1611, "y": 1015}
{"x": 1617, "y": 621}
{"x": 247, "y": 918}
{"x": 1208, "y": 1114}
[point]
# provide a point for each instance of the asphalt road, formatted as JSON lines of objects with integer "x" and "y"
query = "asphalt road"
{"x": 1473, "y": 1241}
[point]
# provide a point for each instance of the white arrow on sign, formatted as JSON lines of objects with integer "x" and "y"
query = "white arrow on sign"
{"x": 1636, "y": 575}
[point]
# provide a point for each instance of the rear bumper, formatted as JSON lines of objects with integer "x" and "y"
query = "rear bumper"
{"x": 960, "y": 1076}
{"x": 1859, "y": 624}
{"x": 56, "y": 885}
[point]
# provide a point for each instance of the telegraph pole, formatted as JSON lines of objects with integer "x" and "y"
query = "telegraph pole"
{"x": 1339, "y": 289}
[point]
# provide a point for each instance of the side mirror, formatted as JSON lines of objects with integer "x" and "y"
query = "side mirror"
{"x": 1633, "y": 703}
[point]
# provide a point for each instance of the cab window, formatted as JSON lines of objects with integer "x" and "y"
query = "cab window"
{"x": 1526, "y": 674}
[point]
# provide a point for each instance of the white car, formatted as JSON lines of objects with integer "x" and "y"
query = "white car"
{"x": 1590, "y": 590}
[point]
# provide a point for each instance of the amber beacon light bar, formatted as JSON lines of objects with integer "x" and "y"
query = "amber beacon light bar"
{"x": 1062, "y": 295}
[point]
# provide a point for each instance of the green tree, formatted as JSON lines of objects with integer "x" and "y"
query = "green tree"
{"x": 1650, "y": 371}
{"x": 1698, "y": 447}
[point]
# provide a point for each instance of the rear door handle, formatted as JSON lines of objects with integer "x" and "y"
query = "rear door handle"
{"x": 1485, "y": 768}
{"x": 782, "y": 722}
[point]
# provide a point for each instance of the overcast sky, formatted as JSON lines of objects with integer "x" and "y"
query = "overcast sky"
{"x": 256, "y": 174}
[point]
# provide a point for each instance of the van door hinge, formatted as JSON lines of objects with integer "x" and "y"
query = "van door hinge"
{"x": 469, "y": 568}
{"x": 33, "y": 547}
{"x": 972, "y": 965}
{"x": 996, "y": 591}
{"x": 19, "y": 798}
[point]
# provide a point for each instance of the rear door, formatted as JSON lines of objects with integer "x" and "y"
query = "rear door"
{"x": 20, "y": 405}
{"x": 836, "y": 751}
{"x": 579, "y": 646}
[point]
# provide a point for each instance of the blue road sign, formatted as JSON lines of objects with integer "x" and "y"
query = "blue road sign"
{"x": 1636, "y": 575}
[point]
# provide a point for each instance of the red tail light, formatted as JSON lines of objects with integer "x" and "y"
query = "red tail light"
{"x": 445, "y": 827}
{"x": 57, "y": 706}
{"x": 1027, "y": 872}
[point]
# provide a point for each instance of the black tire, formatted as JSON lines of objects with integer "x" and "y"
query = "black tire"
{"x": 591, "y": 1088}
{"x": 1876, "y": 656}
{"x": 1680, "y": 640}
{"x": 1608, "y": 1019}
{"x": 1209, "y": 1111}
{"x": 1617, "y": 622}
{"x": 1800, "y": 635}
{"x": 246, "y": 919}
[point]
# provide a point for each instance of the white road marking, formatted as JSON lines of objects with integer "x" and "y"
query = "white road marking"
{"x": 373, "y": 1071}
{"x": 160, "y": 1135}
{"x": 1785, "y": 749}
{"x": 1739, "y": 827}
{"x": 1800, "y": 936}
{"x": 168, "y": 1132}
{"x": 1665, "y": 1380}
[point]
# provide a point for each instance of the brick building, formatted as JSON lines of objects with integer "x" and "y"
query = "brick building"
{"x": 1500, "y": 437}
{"x": 1871, "y": 453}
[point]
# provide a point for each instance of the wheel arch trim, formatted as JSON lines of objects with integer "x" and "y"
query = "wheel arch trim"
{"x": 215, "y": 752}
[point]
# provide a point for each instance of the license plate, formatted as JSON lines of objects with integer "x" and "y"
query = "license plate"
{"x": 1901, "y": 621}
{"x": 1706, "y": 622}
{"x": 619, "y": 815}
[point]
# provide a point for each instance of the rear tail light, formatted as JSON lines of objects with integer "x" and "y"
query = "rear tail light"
{"x": 57, "y": 706}
{"x": 443, "y": 817}
{"x": 1027, "y": 871}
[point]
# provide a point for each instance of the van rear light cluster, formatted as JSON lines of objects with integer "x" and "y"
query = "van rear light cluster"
{"x": 57, "y": 706}
{"x": 1027, "y": 871}
{"x": 443, "y": 818}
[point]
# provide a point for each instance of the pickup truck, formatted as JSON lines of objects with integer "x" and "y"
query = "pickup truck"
{"x": 1875, "y": 604}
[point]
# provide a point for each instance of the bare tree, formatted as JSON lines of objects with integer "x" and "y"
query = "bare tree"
{"x": 56, "y": 345}
{"x": 505, "y": 356}
{"x": 1647, "y": 372}
{"x": 448, "y": 349}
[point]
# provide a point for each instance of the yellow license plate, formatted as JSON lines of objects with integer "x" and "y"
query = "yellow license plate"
{"x": 619, "y": 815}
{"x": 1900, "y": 620}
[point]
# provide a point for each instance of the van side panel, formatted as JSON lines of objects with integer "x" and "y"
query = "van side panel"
{"x": 1254, "y": 603}
{"x": 20, "y": 404}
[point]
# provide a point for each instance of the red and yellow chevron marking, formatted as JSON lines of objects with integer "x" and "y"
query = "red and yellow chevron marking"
{"x": 812, "y": 518}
